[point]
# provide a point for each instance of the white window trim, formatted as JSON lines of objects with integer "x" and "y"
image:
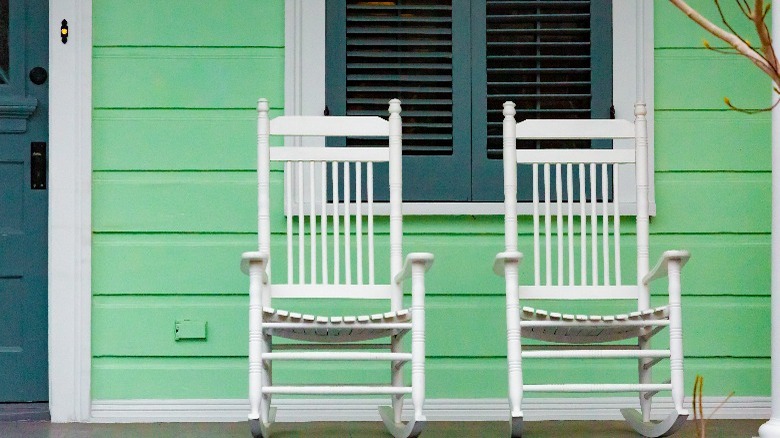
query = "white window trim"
{"x": 632, "y": 22}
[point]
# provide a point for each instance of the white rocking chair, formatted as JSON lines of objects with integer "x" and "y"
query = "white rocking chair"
{"x": 580, "y": 180}
{"x": 308, "y": 170}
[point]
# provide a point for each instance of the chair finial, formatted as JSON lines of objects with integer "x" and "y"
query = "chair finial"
{"x": 509, "y": 108}
{"x": 262, "y": 104}
{"x": 640, "y": 109}
{"x": 395, "y": 106}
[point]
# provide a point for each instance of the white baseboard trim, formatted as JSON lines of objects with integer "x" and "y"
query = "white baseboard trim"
{"x": 302, "y": 410}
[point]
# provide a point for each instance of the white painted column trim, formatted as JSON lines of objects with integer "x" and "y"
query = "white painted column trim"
{"x": 70, "y": 228}
{"x": 771, "y": 429}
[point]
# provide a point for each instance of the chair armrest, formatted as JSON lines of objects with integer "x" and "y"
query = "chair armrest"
{"x": 661, "y": 268}
{"x": 501, "y": 258}
{"x": 250, "y": 257}
{"x": 414, "y": 258}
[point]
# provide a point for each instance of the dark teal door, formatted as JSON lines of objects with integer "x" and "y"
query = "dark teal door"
{"x": 23, "y": 200}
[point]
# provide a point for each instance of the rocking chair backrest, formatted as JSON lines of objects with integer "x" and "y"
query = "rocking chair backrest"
{"x": 573, "y": 205}
{"x": 319, "y": 232}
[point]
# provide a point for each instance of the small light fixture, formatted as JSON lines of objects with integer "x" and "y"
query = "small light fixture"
{"x": 64, "y": 31}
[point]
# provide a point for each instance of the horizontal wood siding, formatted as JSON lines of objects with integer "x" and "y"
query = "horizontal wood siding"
{"x": 206, "y": 264}
{"x": 203, "y": 378}
{"x": 174, "y": 205}
{"x": 226, "y": 320}
{"x": 175, "y": 87}
{"x": 713, "y": 166}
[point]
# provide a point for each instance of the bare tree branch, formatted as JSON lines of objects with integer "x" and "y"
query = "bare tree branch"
{"x": 751, "y": 111}
{"x": 759, "y": 15}
{"x": 766, "y": 62}
{"x": 744, "y": 7}
{"x": 726, "y": 51}
{"x": 723, "y": 19}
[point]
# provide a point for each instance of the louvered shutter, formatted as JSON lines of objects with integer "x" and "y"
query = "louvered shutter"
{"x": 404, "y": 49}
{"x": 553, "y": 58}
{"x": 539, "y": 56}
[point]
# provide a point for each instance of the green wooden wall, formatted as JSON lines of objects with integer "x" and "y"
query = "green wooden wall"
{"x": 175, "y": 85}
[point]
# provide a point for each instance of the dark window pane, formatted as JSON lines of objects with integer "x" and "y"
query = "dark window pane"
{"x": 4, "y": 61}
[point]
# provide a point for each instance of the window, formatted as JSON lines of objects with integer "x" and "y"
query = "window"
{"x": 453, "y": 64}
{"x": 632, "y": 66}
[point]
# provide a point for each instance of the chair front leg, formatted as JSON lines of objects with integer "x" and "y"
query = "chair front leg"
{"x": 645, "y": 373}
{"x": 675, "y": 334}
{"x": 255, "y": 340}
{"x": 513, "y": 337}
{"x": 418, "y": 339}
{"x": 265, "y": 378}
{"x": 396, "y": 372}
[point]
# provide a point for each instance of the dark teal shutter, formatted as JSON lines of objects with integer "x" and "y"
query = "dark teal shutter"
{"x": 405, "y": 49}
{"x": 553, "y": 58}
{"x": 453, "y": 64}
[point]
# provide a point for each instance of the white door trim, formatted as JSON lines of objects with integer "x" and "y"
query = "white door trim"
{"x": 70, "y": 200}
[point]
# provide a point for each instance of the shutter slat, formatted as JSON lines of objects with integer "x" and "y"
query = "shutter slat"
{"x": 411, "y": 77}
{"x": 548, "y": 96}
{"x": 374, "y": 42}
{"x": 378, "y": 88}
{"x": 537, "y": 18}
{"x": 538, "y": 57}
{"x": 407, "y": 113}
{"x": 408, "y": 101}
{"x": 377, "y": 19}
{"x": 499, "y": 45}
{"x": 537, "y": 70}
{"x": 388, "y": 65}
{"x": 421, "y": 31}
{"x": 534, "y": 31}
{"x": 393, "y": 8}
{"x": 395, "y": 54}
{"x": 537, "y": 3}
{"x": 541, "y": 84}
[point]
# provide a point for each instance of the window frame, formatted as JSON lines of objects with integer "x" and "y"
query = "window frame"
{"x": 632, "y": 49}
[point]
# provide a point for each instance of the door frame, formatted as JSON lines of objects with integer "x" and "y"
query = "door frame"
{"x": 70, "y": 201}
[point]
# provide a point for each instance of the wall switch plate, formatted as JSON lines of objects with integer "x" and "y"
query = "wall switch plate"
{"x": 188, "y": 329}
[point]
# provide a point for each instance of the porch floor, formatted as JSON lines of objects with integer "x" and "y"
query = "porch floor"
{"x": 537, "y": 429}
